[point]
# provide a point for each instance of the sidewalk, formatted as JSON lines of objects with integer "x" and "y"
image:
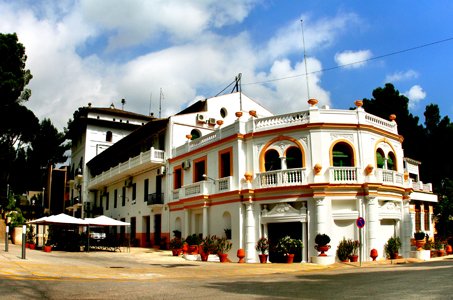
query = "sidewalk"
{"x": 144, "y": 263}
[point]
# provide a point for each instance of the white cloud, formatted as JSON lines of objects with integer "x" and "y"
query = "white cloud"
{"x": 401, "y": 76}
{"x": 353, "y": 59}
{"x": 317, "y": 34}
{"x": 415, "y": 94}
{"x": 186, "y": 66}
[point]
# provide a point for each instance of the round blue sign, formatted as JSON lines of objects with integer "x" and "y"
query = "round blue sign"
{"x": 360, "y": 222}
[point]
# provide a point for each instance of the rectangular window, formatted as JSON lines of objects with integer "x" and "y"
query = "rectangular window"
{"x": 177, "y": 178}
{"x": 226, "y": 163}
{"x": 417, "y": 218}
{"x": 123, "y": 196}
{"x": 426, "y": 217}
{"x": 107, "y": 200}
{"x": 146, "y": 190}
{"x": 199, "y": 169}
{"x": 115, "y": 198}
{"x": 134, "y": 192}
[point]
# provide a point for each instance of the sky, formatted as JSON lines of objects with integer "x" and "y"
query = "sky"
{"x": 99, "y": 52}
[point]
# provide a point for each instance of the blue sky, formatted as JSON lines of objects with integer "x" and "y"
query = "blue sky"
{"x": 102, "y": 51}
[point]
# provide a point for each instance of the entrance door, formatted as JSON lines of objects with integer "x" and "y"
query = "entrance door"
{"x": 279, "y": 230}
{"x": 157, "y": 229}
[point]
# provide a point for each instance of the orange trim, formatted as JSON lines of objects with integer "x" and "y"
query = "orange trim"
{"x": 221, "y": 152}
{"x": 195, "y": 169}
{"x": 276, "y": 139}
{"x": 175, "y": 171}
{"x": 385, "y": 141}
{"x": 354, "y": 156}
{"x": 204, "y": 148}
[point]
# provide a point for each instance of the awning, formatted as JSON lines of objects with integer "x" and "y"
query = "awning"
{"x": 105, "y": 221}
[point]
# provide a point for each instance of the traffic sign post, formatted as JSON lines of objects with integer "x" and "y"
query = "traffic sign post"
{"x": 360, "y": 222}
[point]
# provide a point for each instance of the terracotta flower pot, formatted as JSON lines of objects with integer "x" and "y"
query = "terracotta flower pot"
{"x": 289, "y": 258}
{"x": 449, "y": 249}
{"x": 223, "y": 257}
{"x": 32, "y": 246}
{"x": 373, "y": 254}
{"x": 322, "y": 249}
{"x": 420, "y": 244}
{"x": 185, "y": 248}
{"x": 193, "y": 249}
{"x": 176, "y": 252}
{"x": 263, "y": 258}
{"x": 47, "y": 248}
{"x": 204, "y": 256}
{"x": 354, "y": 258}
{"x": 241, "y": 255}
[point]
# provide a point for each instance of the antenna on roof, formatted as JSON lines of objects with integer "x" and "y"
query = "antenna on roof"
{"x": 238, "y": 88}
{"x": 305, "y": 57}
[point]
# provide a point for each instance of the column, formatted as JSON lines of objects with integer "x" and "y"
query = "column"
{"x": 250, "y": 233}
{"x": 186, "y": 229}
{"x": 422, "y": 218}
{"x": 205, "y": 221}
{"x": 407, "y": 228}
{"x": 372, "y": 226}
{"x": 321, "y": 216}
{"x": 303, "y": 211}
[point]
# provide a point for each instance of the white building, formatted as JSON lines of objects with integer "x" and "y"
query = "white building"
{"x": 207, "y": 169}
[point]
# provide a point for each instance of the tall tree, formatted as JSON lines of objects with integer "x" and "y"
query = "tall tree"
{"x": 387, "y": 101}
{"x": 18, "y": 124}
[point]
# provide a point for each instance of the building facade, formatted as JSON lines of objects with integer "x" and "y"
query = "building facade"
{"x": 227, "y": 164}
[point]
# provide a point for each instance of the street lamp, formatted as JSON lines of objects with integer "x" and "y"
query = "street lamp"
{"x": 42, "y": 198}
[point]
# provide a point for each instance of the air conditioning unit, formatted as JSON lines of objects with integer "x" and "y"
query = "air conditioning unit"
{"x": 211, "y": 121}
{"x": 161, "y": 170}
{"x": 128, "y": 182}
{"x": 186, "y": 164}
{"x": 201, "y": 118}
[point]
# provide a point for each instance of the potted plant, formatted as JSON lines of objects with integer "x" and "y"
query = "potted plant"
{"x": 177, "y": 233}
{"x": 440, "y": 247}
{"x": 288, "y": 247}
{"x": 31, "y": 237}
{"x": 208, "y": 246}
{"x": 420, "y": 240}
{"x": 322, "y": 241}
{"x": 355, "y": 247}
{"x": 345, "y": 249}
{"x": 15, "y": 226}
{"x": 176, "y": 246}
{"x": 222, "y": 246}
{"x": 193, "y": 240}
{"x": 262, "y": 246}
{"x": 392, "y": 247}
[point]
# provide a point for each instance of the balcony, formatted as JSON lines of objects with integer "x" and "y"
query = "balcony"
{"x": 155, "y": 198}
{"x": 204, "y": 187}
{"x": 282, "y": 178}
{"x": 143, "y": 161}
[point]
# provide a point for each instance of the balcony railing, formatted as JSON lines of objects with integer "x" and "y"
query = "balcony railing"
{"x": 155, "y": 198}
{"x": 282, "y": 178}
{"x": 343, "y": 174}
{"x": 390, "y": 176}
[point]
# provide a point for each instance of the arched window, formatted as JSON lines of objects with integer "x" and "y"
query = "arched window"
{"x": 272, "y": 160}
{"x": 108, "y": 136}
{"x": 195, "y": 134}
{"x": 342, "y": 155}
{"x": 380, "y": 159}
{"x": 391, "y": 161}
{"x": 293, "y": 158}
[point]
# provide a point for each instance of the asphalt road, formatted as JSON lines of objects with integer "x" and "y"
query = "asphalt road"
{"x": 157, "y": 276}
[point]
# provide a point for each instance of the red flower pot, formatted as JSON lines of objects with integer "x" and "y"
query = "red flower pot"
{"x": 449, "y": 249}
{"x": 185, "y": 248}
{"x": 373, "y": 254}
{"x": 322, "y": 249}
{"x": 47, "y": 248}
{"x": 193, "y": 249}
{"x": 204, "y": 256}
{"x": 176, "y": 252}
{"x": 263, "y": 258}
{"x": 32, "y": 246}
{"x": 419, "y": 244}
{"x": 354, "y": 258}
{"x": 241, "y": 255}
{"x": 289, "y": 258}
{"x": 223, "y": 257}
